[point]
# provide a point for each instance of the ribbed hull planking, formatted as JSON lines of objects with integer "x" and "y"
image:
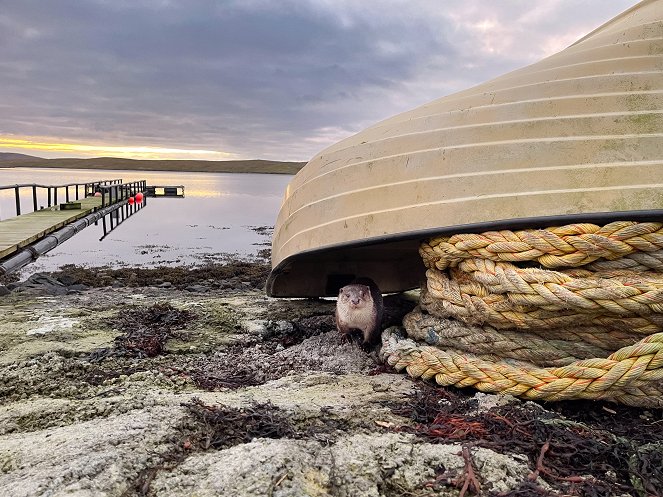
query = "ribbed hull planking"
{"x": 577, "y": 136}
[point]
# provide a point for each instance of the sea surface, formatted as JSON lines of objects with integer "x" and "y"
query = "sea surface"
{"x": 220, "y": 215}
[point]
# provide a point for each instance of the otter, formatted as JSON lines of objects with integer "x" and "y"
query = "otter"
{"x": 360, "y": 307}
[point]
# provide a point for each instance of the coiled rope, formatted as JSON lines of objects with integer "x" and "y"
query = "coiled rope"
{"x": 565, "y": 246}
{"x": 491, "y": 319}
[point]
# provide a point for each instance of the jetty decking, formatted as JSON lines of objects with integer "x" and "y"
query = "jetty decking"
{"x": 20, "y": 231}
{"x": 26, "y": 228}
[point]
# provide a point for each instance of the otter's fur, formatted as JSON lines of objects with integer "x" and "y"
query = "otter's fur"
{"x": 360, "y": 307}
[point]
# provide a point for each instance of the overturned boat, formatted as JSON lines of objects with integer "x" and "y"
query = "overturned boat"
{"x": 576, "y": 137}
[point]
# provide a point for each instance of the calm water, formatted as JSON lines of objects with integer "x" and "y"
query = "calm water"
{"x": 218, "y": 216}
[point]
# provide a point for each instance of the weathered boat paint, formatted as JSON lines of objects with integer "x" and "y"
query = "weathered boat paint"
{"x": 576, "y": 136}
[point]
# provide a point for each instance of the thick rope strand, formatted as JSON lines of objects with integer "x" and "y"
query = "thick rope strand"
{"x": 632, "y": 375}
{"x": 567, "y": 312}
{"x": 565, "y": 246}
{"x": 443, "y": 298}
{"x": 487, "y": 341}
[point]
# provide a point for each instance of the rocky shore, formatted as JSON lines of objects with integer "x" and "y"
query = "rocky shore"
{"x": 190, "y": 381}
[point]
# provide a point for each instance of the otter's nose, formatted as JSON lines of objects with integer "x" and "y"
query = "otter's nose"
{"x": 355, "y": 301}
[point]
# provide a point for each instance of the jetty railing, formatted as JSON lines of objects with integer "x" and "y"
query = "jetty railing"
{"x": 115, "y": 192}
{"x": 88, "y": 188}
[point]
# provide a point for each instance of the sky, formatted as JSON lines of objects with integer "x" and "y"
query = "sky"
{"x": 252, "y": 79}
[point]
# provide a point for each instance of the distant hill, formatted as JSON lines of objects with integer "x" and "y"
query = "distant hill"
{"x": 221, "y": 166}
{"x": 7, "y": 156}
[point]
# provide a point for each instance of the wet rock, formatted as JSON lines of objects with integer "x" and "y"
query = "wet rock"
{"x": 79, "y": 287}
{"x": 197, "y": 288}
{"x": 4, "y": 291}
{"x": 42, "y": 284}
{"x": 67, "y": 279}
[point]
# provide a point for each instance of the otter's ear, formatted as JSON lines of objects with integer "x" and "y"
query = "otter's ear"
{"x": 340, "y": 292}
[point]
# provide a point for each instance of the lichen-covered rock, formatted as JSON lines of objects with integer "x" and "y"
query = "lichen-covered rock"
{"x": 370, "y": 465}
{"x": 91, "y": 458}
{"x": 263, "y": 467}
{"x": 165, "y": 392}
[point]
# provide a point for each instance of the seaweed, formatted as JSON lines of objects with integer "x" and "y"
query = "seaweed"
{"x": 577, "y": 448}
{"x": 146, "y": 331}
{"x": 223, "y": 427}
{"x": 254, "y": 273}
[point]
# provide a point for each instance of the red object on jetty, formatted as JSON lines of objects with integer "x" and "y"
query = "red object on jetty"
{"x": 131, "y": 201}
{"x": 139, "y": 197}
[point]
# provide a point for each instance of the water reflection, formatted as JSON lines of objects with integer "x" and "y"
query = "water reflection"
{"x": 219, "y": 215}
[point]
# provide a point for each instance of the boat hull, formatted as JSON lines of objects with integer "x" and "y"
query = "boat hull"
{"x": 575, "y": 137}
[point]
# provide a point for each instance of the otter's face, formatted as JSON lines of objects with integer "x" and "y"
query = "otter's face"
{"x": 354, "y": 295}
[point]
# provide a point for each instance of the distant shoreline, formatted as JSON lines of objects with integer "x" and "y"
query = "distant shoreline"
{"x": 198, "y": 166}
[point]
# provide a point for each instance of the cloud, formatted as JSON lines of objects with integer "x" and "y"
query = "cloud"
{"x": 257, "y": 78}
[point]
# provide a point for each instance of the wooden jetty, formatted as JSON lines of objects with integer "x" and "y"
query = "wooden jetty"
{"x": 26, "y": 228}
{"x": 20, "y": 231}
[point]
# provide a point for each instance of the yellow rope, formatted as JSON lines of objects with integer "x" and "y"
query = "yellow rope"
{"x": 632, "y": 375}
{"x": 540, "y": 333}
{"x": 487, "y": 342}
{"x": 566, "y": 246}
{"x": 514, "y": 298}
{"x": 499, "y": 312}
